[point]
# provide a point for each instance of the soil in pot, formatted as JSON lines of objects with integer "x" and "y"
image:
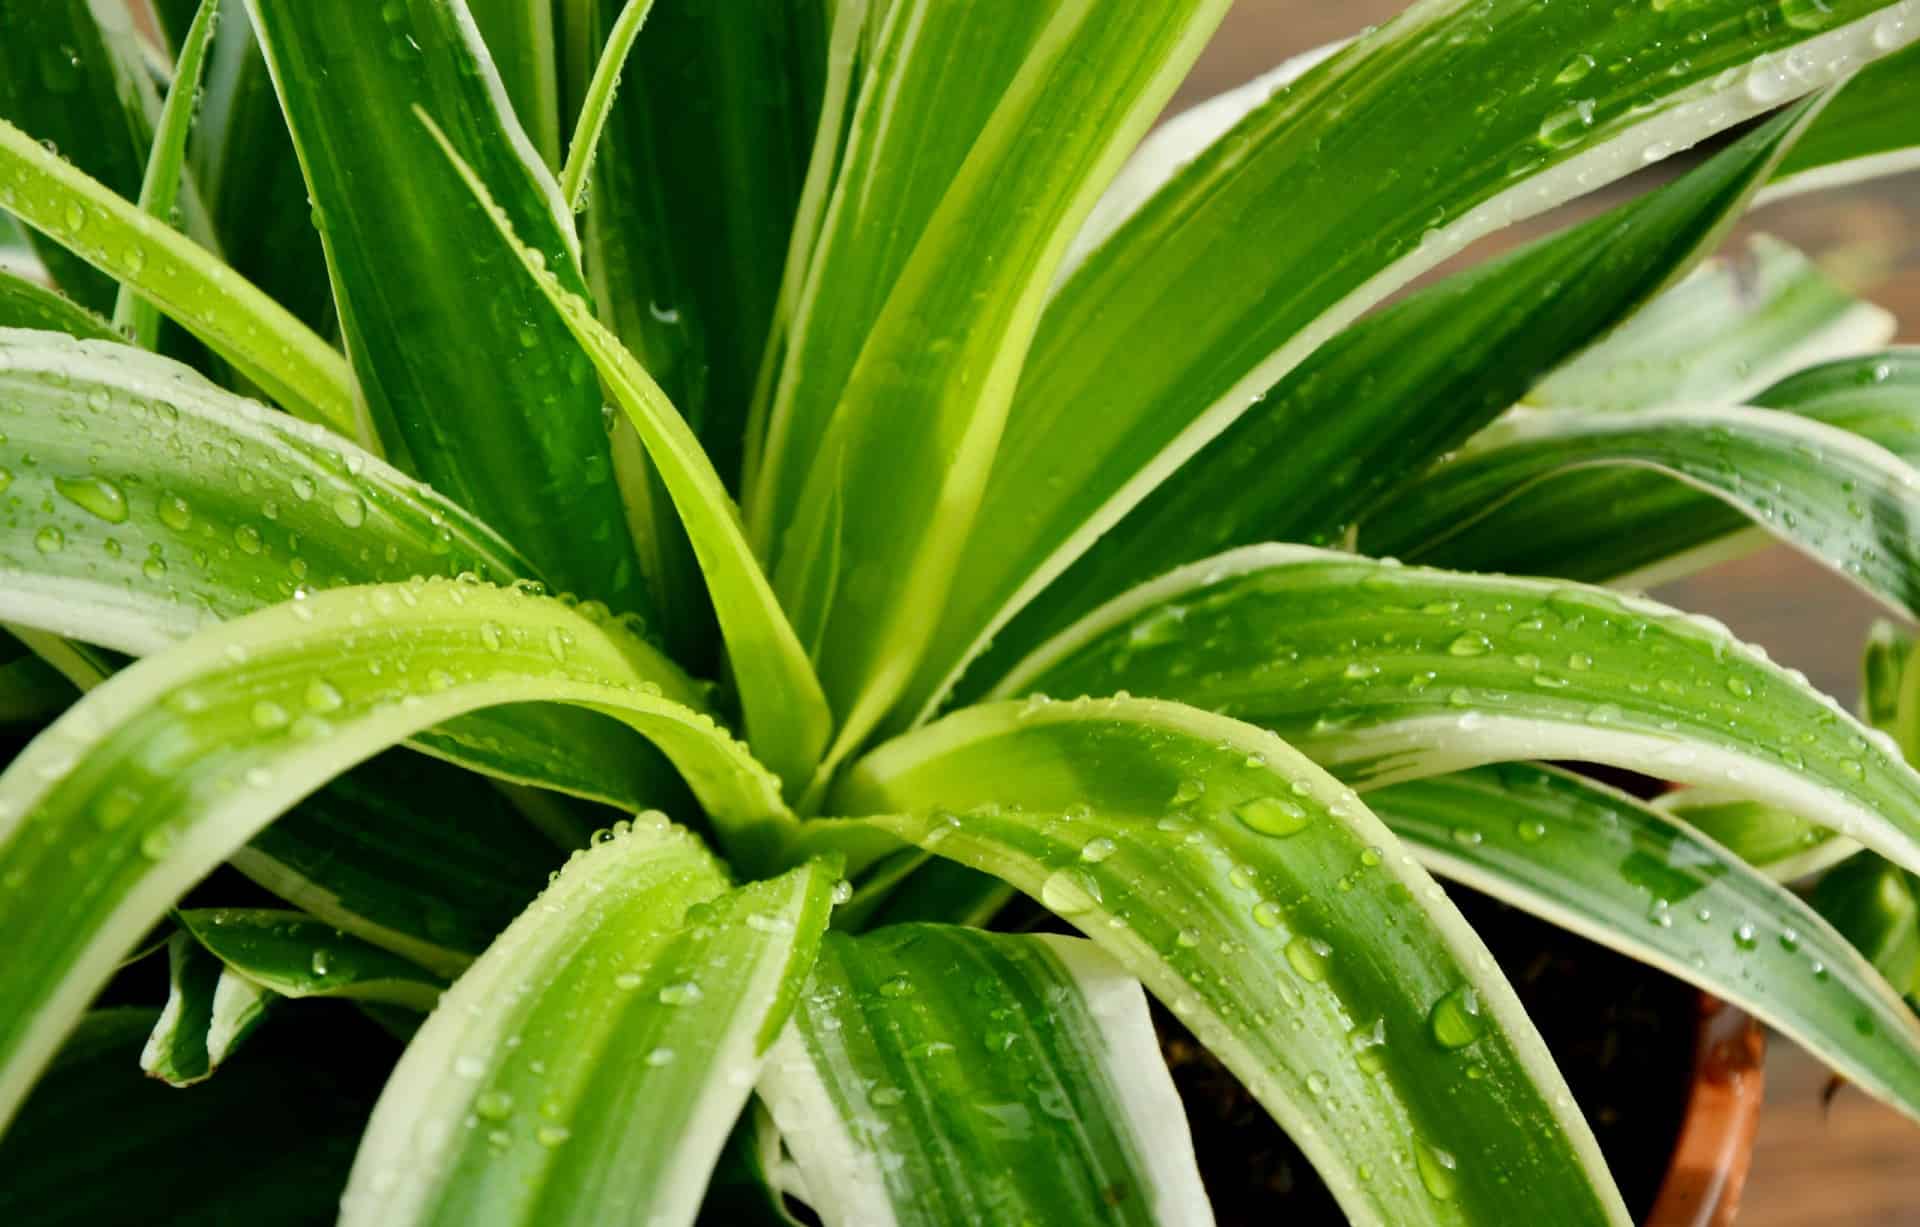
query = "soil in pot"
{"x": 1622, "y": 1033}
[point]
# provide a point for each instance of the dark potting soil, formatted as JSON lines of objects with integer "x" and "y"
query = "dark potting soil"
{"x": 1622, "y": 1033}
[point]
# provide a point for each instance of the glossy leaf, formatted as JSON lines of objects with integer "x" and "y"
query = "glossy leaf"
{"x": 209, "y": 1012}
{"x": 786, "y": 714}
{"x": 1638, "y": 527}
{"x": 1874, "y": 905}
{"x": 249, "y": 176}
{"x": 1844, "y": 501}
{"x": 1383, "y": 673}
{"x": 937, "y": 1075}
{"x": 294, "y": 955}
{"x": 1597, "y": 862}
{"x": 1721, "y": 336}
{"x": 1874, "y": 130}
{"x": 1319, "y": 204}
{"x": 269, "y": 346}
{"x": 163, "y": 771}
{"x": 888, "y": 484}
{"x": 162, "y": 182}
{"x": 1387, "y": 397}
{"x": 268, "y": 1141}
{"x": 593, "y": 1061}
{"x": 70, "y": 74}
{"x": 500, "y": 412}
{"x": 1779, "y": 843}
{"x": 521, "y": 41}
{"x": 598, "y": 101}
{"x": 416, "y": 857}
{"x": 1265, "y": 905}
{"x": 236, "y": 508}
{"x": 23, "y": 304}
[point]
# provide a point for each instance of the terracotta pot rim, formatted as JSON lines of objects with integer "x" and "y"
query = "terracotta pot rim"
{"x": 1714, "y": 1148}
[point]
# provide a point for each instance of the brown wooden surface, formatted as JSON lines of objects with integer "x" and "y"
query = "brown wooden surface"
{"x": 1853, "y": 1163}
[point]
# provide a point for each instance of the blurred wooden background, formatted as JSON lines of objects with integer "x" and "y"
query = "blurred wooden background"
{"x": 1852, "y": 1163}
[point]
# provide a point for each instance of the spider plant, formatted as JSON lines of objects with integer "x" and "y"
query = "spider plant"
{"x": 585, "y": 506}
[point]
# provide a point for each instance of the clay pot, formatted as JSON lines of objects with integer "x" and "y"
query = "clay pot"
{"x": 1715, "y": 1146}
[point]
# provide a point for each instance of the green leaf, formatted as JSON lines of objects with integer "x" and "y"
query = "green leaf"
{"x": 209, "y": 1012}
{"x": 939, "y": 1075}
{"x": 519, "y": 35}
{"x": 1721, "y": 336}
{"x": 1883, "y": 665}
{"x": 174, "y": 503}
{"x": 26, "y": 305}
{"x": 1873, "y": 129}
{"x": 1873, "y": 904}
{"x": 161, "y": 184}
{"x": 1843, "y": 501}
{"x": 1266, "y": 906}
{"x": 490, "y": 399}
{"x": 214, "y": 507}
{"x": 890, "y": 482}
{"x": 71, "y": 74}
{"x": 1597, "y": 862}
{"x": 1783, "y": 845}
{"x": 294, "y": 955}
{"x": 687, "y": 277}
{"x": 598, "y": 102}
{"x": 100, "y": 1145}
{"x": 249, "y": 176}
{"x": 426, "y": 860}
{"x": 1383, "y": 673}
{"x": 786, "y": 713}
{"x": 594, "y": 1059}
{"x": 163, "y": 771}
{"x": 269, "y": 346}
{"x": 1387, "y": 397}
{"x": 1639, "y": 527}
{"x": 1319, "y": 204}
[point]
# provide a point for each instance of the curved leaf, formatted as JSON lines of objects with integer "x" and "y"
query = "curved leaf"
{"x": 889, "y": 485}
{"x": 160, "y": 186}
{"x": 1842, "y": 500}
{"x": 1384, "y": 673}
{"x": 1873, "y": 130}
{"x": 294, "y": 955}
{"x": 163, "y": 771}
{"x": 1732, "y": 329}
{"x": 1597, "y": 862}
{"x": 26, "y": 305}
{"x": 598, "y": 101}
{"x": 1782, "y": 845}
{"x": 259, "y": 337}
{"x": 1873, "y": 904}
{"x": 786, "y": 713}
{"x": 213, "y": 507}
{"x": 209, "y": 1011}
{"x": 937, "y": 1075}
{"x": 591, "y": 1064}
{"x": 70, "y": 74}
{"x": 499, "y": 409}
{"x": 1279, "y": 918}
{"x": 1286, "y": 229}
{"x": 428, "y": 861}
{"x": 1638, "y": 527}
{"x": 1387, "y": 397}
{"x": 520, "y": 39}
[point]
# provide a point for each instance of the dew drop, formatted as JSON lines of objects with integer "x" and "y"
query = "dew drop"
{"x": 1096, "y": 850}
{"x": 1070, "y": 892}
{"x": 1472, "y": 643}
{"x": 1275, "y": 816}
{"x": 49, "y": 540}
{"x": 1439, "y": 1170}
{"x": 1455, "y": 1020}
{"x": 1309, "y": 957}
{"x": 493, "y": 1105}
{"x": 351, "y": 508}
{"x": 686, "y": 992}
{"x": 96, "y": 496}
{"x": 175, "y": 513}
